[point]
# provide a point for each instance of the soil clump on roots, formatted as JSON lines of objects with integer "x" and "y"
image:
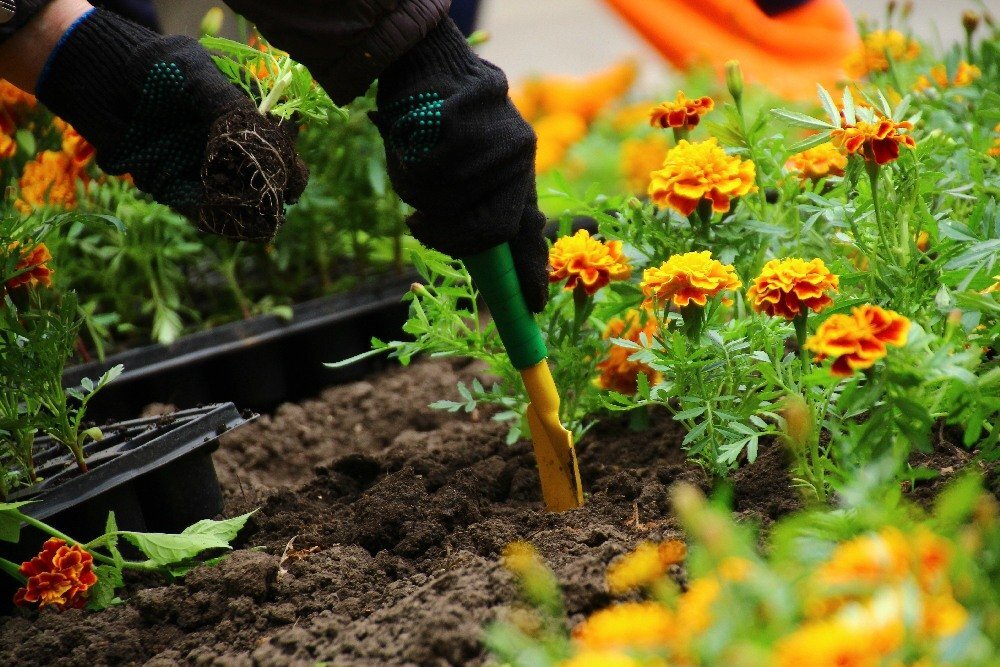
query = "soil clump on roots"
{"x": 379, "y": 533}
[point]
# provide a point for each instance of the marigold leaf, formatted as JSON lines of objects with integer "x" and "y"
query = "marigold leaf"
{"x": 102, "y": 594}
{"x": 802, "y": 120}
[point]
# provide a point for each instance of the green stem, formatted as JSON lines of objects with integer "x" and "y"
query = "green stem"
{"x": 280, "y": 86}
{"x": 801, "y": 332}
{"x": 13, "y": 569}
{"x": 694, "y": 322}
{"x": 46, "y": 528}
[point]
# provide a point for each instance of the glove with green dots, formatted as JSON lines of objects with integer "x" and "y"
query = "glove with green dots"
{"x": 463, "y": 157}
{"x": 152, "y": 107}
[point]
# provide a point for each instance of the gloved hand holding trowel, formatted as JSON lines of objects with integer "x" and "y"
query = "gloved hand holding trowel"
{"x": 457, "y": 149}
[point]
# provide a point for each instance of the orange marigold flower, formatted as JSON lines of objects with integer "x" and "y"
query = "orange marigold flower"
{"x": 49, "y": 180}
{"x": 878, "y": 141}
{"x": 34, "y": 263}
{"x": 869, "y": 560}
{"x": 59, "y": 575}
{"x": 693, "y": 277}
{"x": 640, "y": 158}
{"x": 556, "y": 135}
{"x": 818, "y": 162}
{"x": 603, "y": 659}
{"x": 858, "y": 340}
{"x": 632, "y": 625}
{"x": 789, "y": 287}
{"x": 13, "y": 99}
{"x": 8, "y": 145}
{"x": 942, "y": 616}
{"x": 995, "y": 149}
{"x": 74, "y": 145}
{"x": 681, "y": 112}
{"x": 692, "y": 172}
{"x": 618, "y": 373}
{"x": 582, "y": 260}
{"x": 832, "y": 643}
{"x": 874, "y": 52}
{"x": 932, "y": 554}
{"x": 965, "y": 74}
{"x": 644, "y": 566}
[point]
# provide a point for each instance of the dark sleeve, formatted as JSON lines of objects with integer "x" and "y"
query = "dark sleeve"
{"x": 346, "y": 44}
{"x": 24, "y": 10}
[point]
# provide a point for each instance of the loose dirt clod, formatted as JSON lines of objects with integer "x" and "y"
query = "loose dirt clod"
{"x": 251, "y": 172}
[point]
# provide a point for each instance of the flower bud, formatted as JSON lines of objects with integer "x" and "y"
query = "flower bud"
{"x": 970, "y": 21}
{"x": 800, "y": 424}
{"x": 479, "y": 38}
{"x": 891, "y": 8}
{"x": 907, "y": 9}
{"x": 211, "y": 23}
{"x": 419, "y": 289}
{"x": 734, "y": 80}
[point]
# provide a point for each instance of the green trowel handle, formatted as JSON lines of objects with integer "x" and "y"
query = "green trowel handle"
{"x": 495, "y": 277}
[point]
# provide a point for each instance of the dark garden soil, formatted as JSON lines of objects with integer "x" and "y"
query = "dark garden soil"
{"x": 391, "y": 518}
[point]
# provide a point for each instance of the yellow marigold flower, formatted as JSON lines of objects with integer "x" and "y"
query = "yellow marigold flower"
{"x": 618, "y": 373}
{"x": 521, "y": 558}
{"x": 870, "y": 560}
{"x": 964, "y": 76}
{"x": 735, "y": 568}
{"x": 877, "y": 142}
{"x": 34, "y": 263}
{"x": 693, "y": 277}
{"x": 692, "y": 172}
{"x": 828, "y": 643}
{"x": 585, "y": 97}
{"x": 933, "y": 557}
{"x": 681, "y": 112}
{"x": 874, "y": 52}
{"x": 582, "y": 260}
{"x": 602, "y": 659}
{"x": 995, "y": 287}
{"x": 628, "y": 118}
{"x": 694, "y": 608}
{"x": 942, "y": 616}
{"x": 644, "y": 566}
{"x": 858, "y": 340}
{"x": 634, "y": 625}
{"x": 640, "y": 158}
{"x": 818, "y": 162}
{"x": 556, "y": 135}
{"x": 49, "y": 180}
{"x": 789, "y": 287}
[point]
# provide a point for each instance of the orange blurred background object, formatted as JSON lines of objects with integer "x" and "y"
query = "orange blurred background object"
{"x": 790, "y": 52}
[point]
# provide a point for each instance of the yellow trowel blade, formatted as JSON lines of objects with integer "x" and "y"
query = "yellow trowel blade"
{"x": 554, "y": 451}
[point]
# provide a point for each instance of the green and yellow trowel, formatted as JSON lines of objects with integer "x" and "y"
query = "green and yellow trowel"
{"x": 494, "y": 275}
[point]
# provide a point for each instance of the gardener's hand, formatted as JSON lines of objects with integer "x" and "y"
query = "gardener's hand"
{"x": 157, "y": 108}
{"x": 461, "y": 155}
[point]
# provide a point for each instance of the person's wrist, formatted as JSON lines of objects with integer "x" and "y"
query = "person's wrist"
{"x": 24, "y": 55}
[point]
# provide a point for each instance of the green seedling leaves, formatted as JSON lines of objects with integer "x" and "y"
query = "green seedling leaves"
{"x": 10, "y": 521}
{"x": 166, "y": 550}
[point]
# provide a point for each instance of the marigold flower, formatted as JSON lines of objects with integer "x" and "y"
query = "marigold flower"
{"x": 932, "y": 554}
{"x": 49, "y": 180}
{"x": 59, "y": 575}
{"x": 618, "y": 373}
{"x": 965, "y": 74}
{"x": 942, "y": 616}
{"x": 829, "y": 643}
{"x": 818, "y": 162}
{"x": 521, "y": 558}
{"x": 869, "y": 560}
{"x": 877, "y": 142}
{"x": 681, "y": 112}
{"x": 633, "y": 625}
{"x": 34, "y": 263}
{"x": 858, "y": 340}
{"x": 693, "y": 277}
{"x": 874, "y": 52}
{"x": 602, "y": 659}
{"x": 640, "y": 158}
{"x": 994, "y": 150}
{"x": 789, "y": 287}
{"x": 694, "y": 608}
{"x": 644, "y": 566}
{"x": 74, "y": 145}
{"x": 995, "y": 287}
{"x": 556, "y": 135}
{"x": 692, "y": 172}
{"x": 13, "y": 99}
{"x": 582, "y": 260}
{"x": 8, "y": 145}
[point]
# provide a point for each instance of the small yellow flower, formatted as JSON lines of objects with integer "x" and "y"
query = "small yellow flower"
{"x": 858, "y": 340}
{"x": 829, "y": 643}
{"x": 870, "y": 560}
{"x": 965, "y": 74}
{"x": 877, "y": 48}
{"x": 588, "y": 262}
{"x": 694, "y": 608}
{"x": 521, "y": 558}
{"x": 602, "y": 659}
{"x": 640, "y": 158}
{"x": 633, "y": 625}
{"x": 644, "y": 566}
{"x": 681, "y": 112}
{"x": 877, "y": 142}
{"x": 556, "y": 135}
{"x": 693, "y": 277}
{"x": 942, "y": 616}
{"x": 693, "y": 172}
{"x": 618, "y": 373}
{"x": 789, "y": 287}
{"x": 818, "y": 162}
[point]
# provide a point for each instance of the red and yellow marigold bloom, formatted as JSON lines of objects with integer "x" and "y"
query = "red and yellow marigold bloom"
{"x": 877, "y": 48}
{"x": 858, "y": 340}
{"x": 640, "y": 158}
{"x": 581, "y": 260}
{"x": 49, "y": 180}
{"x": 698, "y": 171}
{"x": 13, "y": 99}
{"x": 630, "y": 625}
{"x": 74, "y": 145}
{"x": 818, "y": 162}
{"x": 877, "y": 142}
{"x": 8, "y": 144}
{"x": 681, "y": 113}
{"x": 994, "y": 150}
{"x": 869, "y": 560}
{"x": 59, "y": 576}
{"x": 618, "y": 372}
{"x": 691, "y": 278}
{"x": 965, "y": 74}
{"x": 790, "y": 287}
{"x": 34, "y": 264}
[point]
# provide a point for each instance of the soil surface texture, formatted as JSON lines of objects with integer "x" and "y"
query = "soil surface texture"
{"x": 379, "y": 533}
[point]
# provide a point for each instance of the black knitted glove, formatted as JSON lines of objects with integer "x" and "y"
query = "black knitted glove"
{"x": 461, "y": 155}
{"x": 157, "y": 108}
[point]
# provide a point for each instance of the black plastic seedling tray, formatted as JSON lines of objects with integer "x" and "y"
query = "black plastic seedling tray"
{"x": 257, "y": 363}
{"x": 155, "y": 474}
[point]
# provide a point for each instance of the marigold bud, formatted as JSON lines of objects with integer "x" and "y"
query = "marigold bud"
{"x": 800, "y": 423}
{"x": 734, "y": 79}
{"x": 970, "y": 21}
{"x": 211, "y": 23}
